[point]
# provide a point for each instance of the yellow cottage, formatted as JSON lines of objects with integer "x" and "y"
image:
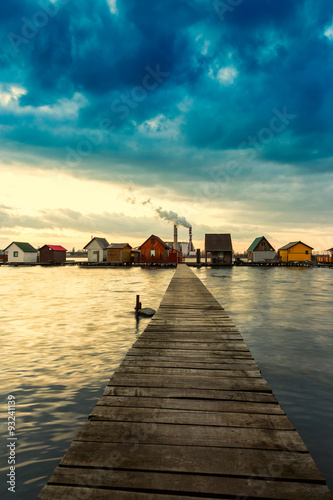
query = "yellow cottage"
{"x": 295, "y": 251}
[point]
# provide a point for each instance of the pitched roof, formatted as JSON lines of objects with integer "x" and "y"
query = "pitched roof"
{"x": 57, "y": 248}
{"x": 218, "y": 243}
{"x": 102, "y": 242}
{"x": 25, "y": 247}
{"x": 256, "y": 242}
{"x": 158, "y": 239}
{"x": 119, "y": 246}
{"x": 292, "y": 244}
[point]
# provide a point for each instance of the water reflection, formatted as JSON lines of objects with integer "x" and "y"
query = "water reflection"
{"x": 64, "y": 330}
{"x": 285, "y": 316}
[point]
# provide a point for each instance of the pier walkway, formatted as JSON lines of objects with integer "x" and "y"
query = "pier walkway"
{"x": 187, "y": 415}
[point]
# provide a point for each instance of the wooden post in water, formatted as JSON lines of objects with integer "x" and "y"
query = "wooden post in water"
{"x": 138, "y": 304}
{"x": 198, "y": 256}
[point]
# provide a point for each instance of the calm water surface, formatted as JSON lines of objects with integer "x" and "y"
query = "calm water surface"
{"x": 64, "y": 330}
{"x": 285, "y": 316}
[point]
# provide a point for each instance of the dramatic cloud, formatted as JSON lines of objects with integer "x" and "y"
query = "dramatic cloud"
{"x": 63, "y": 219}
{"x": 179, "y": 94}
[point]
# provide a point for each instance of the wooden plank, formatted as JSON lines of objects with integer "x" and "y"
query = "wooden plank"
{"x": 190, "y": 314}
{"x": 188, "y": 352}
{"x": 191, "y": 484}
{"x": 151, "y": 370}
{"x": 225, "y": 419}
{"x": 197, "y": 304}
{"x": 183, "y": 325}
{"x": 186, "y": 317}
{"x": 194, "y": 329}
{"x": 186, "y": 310}
{"x": 190, "y": 336}
{"x": 191, "y": 435}
{"x": 188, "y": 382}
{"x": 193, "y": 358}
{"x": 192, "y": 404}
{"x": 74, "y": 493}
{"x": 198, "y": 327}
{"x": 205, "y": 394}
{"x": 194, "y": 311}
{"x": 201, "y": 460}
{"x": 183, "y": 306}
{"x": 173, "y": 319}
{"x": 200, "y": 324}
{"x": 211, "y": 346}
{"x": 236, "y": 364}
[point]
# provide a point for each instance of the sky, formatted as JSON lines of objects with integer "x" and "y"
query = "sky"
{"x": 114, "y": 112}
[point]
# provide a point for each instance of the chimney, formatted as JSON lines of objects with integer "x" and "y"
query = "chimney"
{"x": 190, "y": 246}
{"x": 175, "y": 238}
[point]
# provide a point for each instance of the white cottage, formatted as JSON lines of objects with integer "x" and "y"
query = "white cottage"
{"x": 260, "y": 250}
{"x": 97, "y": 250}
{"x": 19, "y": 253}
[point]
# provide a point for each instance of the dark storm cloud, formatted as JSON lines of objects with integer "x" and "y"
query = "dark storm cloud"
{"x": 175, "y": 83}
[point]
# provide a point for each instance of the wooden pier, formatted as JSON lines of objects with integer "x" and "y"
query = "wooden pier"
{"x": 187, "y": 415}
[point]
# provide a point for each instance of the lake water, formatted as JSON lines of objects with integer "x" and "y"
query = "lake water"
{"x": 64, "y": 331}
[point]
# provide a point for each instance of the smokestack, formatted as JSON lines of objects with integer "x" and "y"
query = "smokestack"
{"x": 190, "y": 240}
{"x": 175, "y": 237}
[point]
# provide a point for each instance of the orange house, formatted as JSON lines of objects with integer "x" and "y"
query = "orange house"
{"x": 154, "y": 250}
{"x": 295, "y": 251}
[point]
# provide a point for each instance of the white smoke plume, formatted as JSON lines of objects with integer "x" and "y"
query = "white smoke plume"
{"x": 173, "y": 217}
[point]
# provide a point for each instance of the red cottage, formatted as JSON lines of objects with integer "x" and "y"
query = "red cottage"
{"x": 3, "y": 257}
{"x": 54, "y": 254}
{"x": 154, "y": 250}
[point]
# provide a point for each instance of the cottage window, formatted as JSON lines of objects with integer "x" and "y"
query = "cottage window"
{"x": 152, "y": 253}
{"x": 307, "y": 252}
{"x": 152, "y": 241}
{"x": 15, "y": 254}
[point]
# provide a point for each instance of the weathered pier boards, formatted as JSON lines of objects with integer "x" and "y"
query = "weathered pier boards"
{"x": 187, "y": 415}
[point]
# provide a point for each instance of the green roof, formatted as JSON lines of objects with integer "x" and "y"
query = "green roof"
{"x": 255, "y": 243}
{"x": 25, "y": 247}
